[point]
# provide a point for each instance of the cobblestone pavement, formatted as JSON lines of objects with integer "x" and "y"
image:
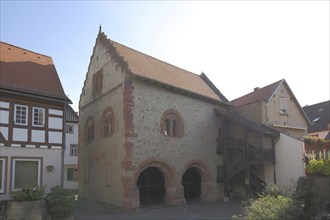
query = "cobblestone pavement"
{"x": 88, "y": 210}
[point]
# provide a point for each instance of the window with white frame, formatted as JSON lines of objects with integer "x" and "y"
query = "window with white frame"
{"x": 26, "y": 173}
{"x": 71, "y": 174}
{"x": 2, "y": 175}
{"x": 69, "y": 129}
{"x": 21, "y": 113}
{"x": 38, "y": 117}
{"x": 73, "y": 150}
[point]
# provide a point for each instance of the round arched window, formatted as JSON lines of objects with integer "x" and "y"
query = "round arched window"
{"x": 108, "y": 122}
{"x": 172, "y": 123}
{"x": 89, "y": 129}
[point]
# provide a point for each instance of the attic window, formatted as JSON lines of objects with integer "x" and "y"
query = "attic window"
{"x": 316, "y": 119}
{"x": 89, "y": 129}
{"x": 283, "y": 106}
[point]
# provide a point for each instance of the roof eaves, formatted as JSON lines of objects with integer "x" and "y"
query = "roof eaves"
{"x": 214, "y": 88}
{"x": 61, "y": 99}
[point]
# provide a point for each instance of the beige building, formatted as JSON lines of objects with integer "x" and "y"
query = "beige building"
{"x": 151, "y": 132}
{"x": 275, "y": 106}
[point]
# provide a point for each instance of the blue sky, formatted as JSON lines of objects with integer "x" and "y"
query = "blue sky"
{"x": 239, "y": 45}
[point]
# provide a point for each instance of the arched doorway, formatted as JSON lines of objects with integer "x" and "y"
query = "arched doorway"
{"x": 151, "y": 184}
{"x": 191, "y": 182}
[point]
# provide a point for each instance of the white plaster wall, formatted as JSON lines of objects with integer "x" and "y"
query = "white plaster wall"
{"x": 38, "y": 136}
{"x": 289, "y": 164}
{"x": 55, "y": 112}
{"x": 71, "y": 138}
{"x": 49, "y": 157}
{"x": 55, "y": 137}
{"x": 4, "y": 116}
{"x": 55, "y": 123}
{"x": 20, "y": 134}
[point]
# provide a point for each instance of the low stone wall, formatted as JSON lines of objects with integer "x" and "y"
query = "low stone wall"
{"x": 319, "y": 185}
{"x": 36, "y": 210}
{"x": 322, "y": 186}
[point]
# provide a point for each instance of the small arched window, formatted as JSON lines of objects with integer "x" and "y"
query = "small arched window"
{"x": 108, "y": 122}
{"x": 172, "y": 123}
{"x": 89, "y": 129}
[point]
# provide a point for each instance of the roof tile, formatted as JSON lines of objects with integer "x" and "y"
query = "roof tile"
{"x": 27, "y": 71}
{"x": 148, "y": 67}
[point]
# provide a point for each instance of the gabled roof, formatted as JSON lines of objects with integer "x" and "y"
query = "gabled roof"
{"x": 259, "y": 94}
{"x": 265, "y": 94}
{"x": 71, "y": 115}
{"x": 29, "y": 72}
{"x": 160, "y": 72}
{"x": 319, "y": 115}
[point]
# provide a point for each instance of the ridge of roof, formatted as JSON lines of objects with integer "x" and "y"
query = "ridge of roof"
{"x": 259, "y": 94}
{"x": 148, "y": 67}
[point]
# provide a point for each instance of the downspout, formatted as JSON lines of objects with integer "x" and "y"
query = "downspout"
{"x": 64, "y": 144}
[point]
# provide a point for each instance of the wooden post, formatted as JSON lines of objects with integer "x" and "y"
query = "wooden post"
{"x": 247, "y": 162}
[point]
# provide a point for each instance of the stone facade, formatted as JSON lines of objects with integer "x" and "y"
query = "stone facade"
{"x": 110, "y": 167}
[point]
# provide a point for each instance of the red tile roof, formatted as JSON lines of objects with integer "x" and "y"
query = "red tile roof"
{"x": 259, "y": 94}
{"x": 26, "y": 71}
{"x": 150, "y": 68}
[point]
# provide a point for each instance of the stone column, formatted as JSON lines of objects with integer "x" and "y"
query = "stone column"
{"x": 175, "y": 195}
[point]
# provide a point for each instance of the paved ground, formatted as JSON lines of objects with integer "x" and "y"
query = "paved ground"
{"x": 88, "y": 210}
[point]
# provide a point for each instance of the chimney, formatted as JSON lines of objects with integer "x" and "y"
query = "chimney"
{"x": 256, "y": 88}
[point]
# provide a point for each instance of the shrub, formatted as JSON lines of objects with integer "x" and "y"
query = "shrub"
{"x": 318, "y": 167}
{"x": 269, "y": 207}
{"x": 278, "y": 190}
{"x": 27, "y": 194}
{"x": 275, "y": 202}
{"x": 60, "y": 202}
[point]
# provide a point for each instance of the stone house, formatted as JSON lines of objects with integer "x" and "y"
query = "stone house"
{"x": 276, "y": 106}
{"x": 151, "y": 132}
{"x": 32, "y": 120}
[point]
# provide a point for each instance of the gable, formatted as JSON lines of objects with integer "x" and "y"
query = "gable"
{"x": 159, "y": 72}
{"x": 287, "y": 103}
